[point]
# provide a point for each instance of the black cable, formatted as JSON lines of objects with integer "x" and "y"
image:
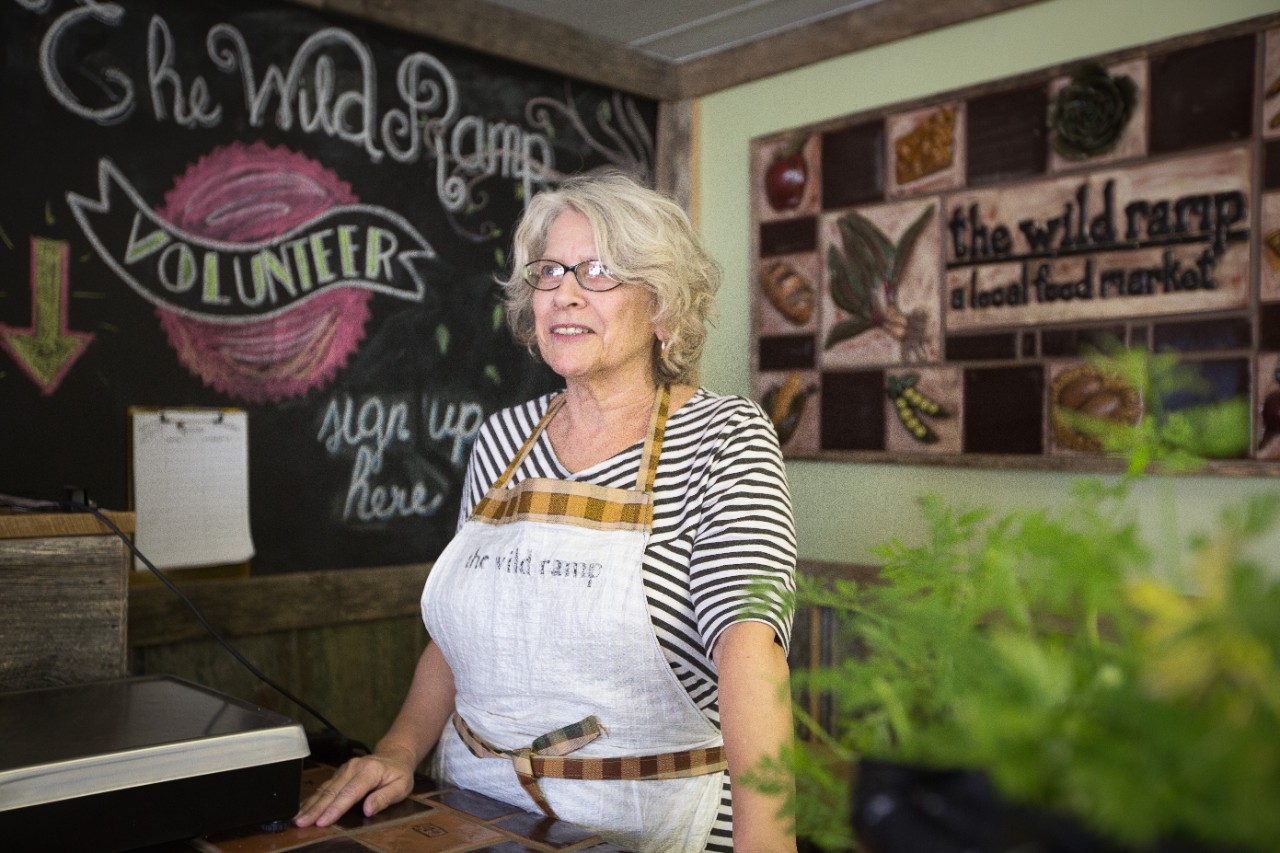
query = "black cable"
{"x": 356, "y": 747}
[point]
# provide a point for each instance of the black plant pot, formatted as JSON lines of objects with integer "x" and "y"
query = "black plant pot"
{"x": 901, "y": 808}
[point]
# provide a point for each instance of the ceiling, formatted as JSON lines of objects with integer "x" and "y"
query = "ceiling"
{"x": 679, "y": 31}
{"x": 668, "y": 50}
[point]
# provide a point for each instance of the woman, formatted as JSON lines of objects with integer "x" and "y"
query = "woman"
{"x": 615, "y": 586}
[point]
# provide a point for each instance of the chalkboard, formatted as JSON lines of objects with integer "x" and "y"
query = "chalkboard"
{"x": 260, "y": 206}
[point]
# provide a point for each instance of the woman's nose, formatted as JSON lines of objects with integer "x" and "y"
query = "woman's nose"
{"x": 570, "y": 292}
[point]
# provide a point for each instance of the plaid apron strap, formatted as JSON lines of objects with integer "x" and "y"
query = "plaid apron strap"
{"x": 653, "y": 441}
{"x": 546, "y": 759}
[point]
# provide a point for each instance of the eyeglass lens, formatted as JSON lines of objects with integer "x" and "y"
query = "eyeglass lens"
{"x": 591, "y": 274}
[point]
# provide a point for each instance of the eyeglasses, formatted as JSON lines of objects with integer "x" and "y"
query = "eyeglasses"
{"x": 591, "y": 275}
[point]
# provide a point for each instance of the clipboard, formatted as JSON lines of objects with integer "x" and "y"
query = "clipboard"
{"x": 189, "y": 486}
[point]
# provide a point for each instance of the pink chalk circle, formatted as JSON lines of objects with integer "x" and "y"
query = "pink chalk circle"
{"x": 251, "y": 194}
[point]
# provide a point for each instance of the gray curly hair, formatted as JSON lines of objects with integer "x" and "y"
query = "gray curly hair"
{"x": 648, "y": 241}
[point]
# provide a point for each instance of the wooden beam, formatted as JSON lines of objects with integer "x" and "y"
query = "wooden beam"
{"x": 19, "y": 525}
{"x": 502, "y": 32}
{"x": 676, "y": 152}
{"x": 271, "y": 603}
{"x": 828, "y": 570}
{"x": 267, "y": 604}
{"x": 862, "y": 28}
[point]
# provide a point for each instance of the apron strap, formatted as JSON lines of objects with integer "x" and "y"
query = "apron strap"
{"x": 545, "y": 759}
{"x": 653, "y": 441}
{"x": 648, "y": 459}
{"x": 552, "y": 408}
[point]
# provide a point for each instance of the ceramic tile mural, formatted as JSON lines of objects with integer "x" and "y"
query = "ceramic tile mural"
{"x": 930, "y": 278}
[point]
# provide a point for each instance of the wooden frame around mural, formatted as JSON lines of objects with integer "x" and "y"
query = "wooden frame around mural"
{"x": 930, "y": 277}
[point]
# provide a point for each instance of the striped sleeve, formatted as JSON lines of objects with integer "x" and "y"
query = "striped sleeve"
{"x": 742, "y": 564}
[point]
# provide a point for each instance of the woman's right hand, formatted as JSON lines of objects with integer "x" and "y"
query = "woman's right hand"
{"x": 386, "y": 777}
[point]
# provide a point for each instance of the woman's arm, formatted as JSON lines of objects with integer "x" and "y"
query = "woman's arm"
{"x": 386, "y": 776}
{"x": 755, "y": 718}
{"x": 742, "y": 570}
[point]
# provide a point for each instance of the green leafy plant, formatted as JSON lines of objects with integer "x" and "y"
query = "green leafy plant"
{"x": 1050, "y": 649}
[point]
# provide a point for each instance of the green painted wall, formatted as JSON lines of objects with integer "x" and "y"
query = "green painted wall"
{"x": 843, "y": 509}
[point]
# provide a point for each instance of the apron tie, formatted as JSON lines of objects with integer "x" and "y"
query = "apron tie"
{"x": 545, "y": 759}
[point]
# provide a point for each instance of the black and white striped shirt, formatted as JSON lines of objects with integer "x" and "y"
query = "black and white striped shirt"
{"x": 722, "y": 527}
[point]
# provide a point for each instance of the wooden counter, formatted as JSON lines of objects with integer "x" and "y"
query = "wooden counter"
{"x": 63, "y": 612}
{"x": 434, "y": 819}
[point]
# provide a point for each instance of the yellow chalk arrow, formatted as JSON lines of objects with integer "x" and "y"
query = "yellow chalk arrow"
{"x": 47, "y": 349}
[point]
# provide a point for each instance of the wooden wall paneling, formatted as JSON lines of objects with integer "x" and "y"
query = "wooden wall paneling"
{"x": 816, "y": 638}
{"x": 343, "y": 642}
{"x": 355, "y": 674}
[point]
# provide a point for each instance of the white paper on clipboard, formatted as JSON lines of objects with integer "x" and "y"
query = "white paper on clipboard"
{"x": 191, "y": 487}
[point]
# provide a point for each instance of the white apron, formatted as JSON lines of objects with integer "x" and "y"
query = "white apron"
{"x": 538, "y": 606}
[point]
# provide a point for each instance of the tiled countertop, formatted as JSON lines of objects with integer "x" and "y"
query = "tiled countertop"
{"x": 432, "y": 820}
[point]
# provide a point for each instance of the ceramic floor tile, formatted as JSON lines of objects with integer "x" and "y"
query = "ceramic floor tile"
{"x": 184, "y": 845}
{"x": 550, "y": 832}
{"x": 423, "y": 785}
{"x": 355, "y": 819}
{"x": 439, "y": 831}
{"x": 313, "y": 778}
{"x": 254, "y": 840}
{"x": 474, "y": 804}
{"x": 333, "y": 845}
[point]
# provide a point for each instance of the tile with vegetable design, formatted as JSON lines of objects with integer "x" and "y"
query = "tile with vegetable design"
{"x": 1269, "y": 268}
{"x": 786, "y": 294}
{"x": 881, "y": 301}
{"x": 1271, "y": 87}
{"x": 1082, "y": 401}
{"x": 926, "y": 150}
{"x": 1113, "y": 109}
{"x": 790, "y": 399}
{"x": 923, "y": 410}
{"x": 786, "y": 176}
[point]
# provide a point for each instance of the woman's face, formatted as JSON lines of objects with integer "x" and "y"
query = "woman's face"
{"x": 588, "y": 336}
